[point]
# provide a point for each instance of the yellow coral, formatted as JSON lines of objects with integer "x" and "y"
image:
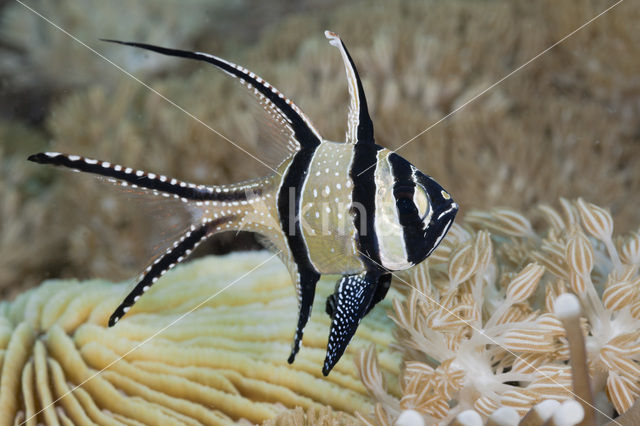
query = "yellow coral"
{"x": 223, "y": 362}
{"x": 565, "y": 125}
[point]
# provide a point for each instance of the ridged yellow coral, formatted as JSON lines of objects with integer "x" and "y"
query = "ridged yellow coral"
{"x": 223, "y": 362}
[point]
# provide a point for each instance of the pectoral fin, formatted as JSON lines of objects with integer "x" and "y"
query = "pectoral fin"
{"x": 348, "y": 305}
{"x": 384, "y": 282}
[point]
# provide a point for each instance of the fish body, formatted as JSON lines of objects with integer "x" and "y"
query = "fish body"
{"x": 353, "y": 209}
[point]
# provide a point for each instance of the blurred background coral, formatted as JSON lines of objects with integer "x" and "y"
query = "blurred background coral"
{"x": 565, "y": 125}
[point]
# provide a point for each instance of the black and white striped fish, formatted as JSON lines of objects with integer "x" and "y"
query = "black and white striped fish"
{"x": 355, "y": 208}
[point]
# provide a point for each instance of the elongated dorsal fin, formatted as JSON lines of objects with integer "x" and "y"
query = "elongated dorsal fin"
{"x": 359, "y": 125}
{"x": 285, "y": 113}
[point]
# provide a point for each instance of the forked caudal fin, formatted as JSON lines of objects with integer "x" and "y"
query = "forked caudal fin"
{"x": 126, "y": 176}
{"x": 216, "y": 221}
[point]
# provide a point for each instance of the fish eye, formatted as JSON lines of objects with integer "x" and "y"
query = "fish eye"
{"x": 421, "y": 200}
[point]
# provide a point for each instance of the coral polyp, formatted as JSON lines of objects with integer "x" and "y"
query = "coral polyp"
{"x": 480, "y": 328}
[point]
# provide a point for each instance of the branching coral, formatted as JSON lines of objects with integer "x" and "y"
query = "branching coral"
{"x": 479, "y": 330}
{"x": 224, "y": 362}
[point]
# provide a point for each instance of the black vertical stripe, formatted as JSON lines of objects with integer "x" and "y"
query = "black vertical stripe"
{"x": 362, "y": 173}
{"x": 294, "y": 178}
{"x": 308, "y": 276}
{"x": 412, "y": 227}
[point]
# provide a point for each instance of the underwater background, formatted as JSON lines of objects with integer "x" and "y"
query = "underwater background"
{"x": 566, "y": 125}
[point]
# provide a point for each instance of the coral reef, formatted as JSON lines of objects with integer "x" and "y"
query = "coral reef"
{"x": 566, "y": 125}
{"x": 312, "y": 417}
{"x": 223, "y": 362}
{"x": 481, "y": 327}
{"x": 478, "y": 326}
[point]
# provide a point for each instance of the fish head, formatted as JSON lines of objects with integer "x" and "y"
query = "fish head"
{"x": 416, "y": 212}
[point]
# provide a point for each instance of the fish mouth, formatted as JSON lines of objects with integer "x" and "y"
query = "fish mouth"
{"x": 449, "y": 213}
{"x": 444, "y": 215}
{"x": 439, "y": 226}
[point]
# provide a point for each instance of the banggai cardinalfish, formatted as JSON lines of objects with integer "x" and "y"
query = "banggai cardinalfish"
{"x": 353, "y": 209}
